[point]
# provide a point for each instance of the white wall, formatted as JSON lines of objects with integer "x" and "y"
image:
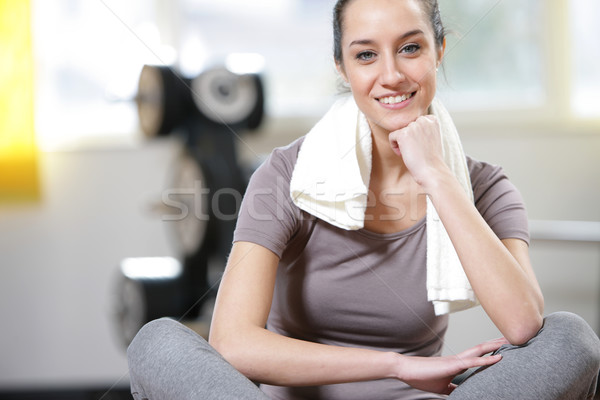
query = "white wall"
{"x": 59, "y": 257}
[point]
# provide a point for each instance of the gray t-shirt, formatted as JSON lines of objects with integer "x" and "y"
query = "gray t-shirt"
{"x": 357, "y": 288}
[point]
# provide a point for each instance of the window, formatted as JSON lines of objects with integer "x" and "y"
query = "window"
{"x": 523, "y": 61}
{"x": 293, "y": 36}
{"x": 88, "y": 56}
{"x": 494, "y": 57}
{"x": 532, "y": 60}
{"x": 585, "y": 51}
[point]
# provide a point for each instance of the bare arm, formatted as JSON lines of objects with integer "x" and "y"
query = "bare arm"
{"x": 238, "y": 333}
{"x": 500, "y": 272}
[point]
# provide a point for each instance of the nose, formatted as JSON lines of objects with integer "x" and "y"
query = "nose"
{"x": 391, "y": 73}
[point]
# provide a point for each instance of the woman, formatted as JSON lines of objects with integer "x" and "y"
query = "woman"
{"x": 329, "y": 299}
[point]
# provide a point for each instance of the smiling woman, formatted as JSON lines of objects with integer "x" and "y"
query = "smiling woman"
{"x": 354, "y": 243}
{"x": 381, "y": 65}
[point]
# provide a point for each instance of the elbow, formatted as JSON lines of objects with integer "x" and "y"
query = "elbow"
{"x": 223, "y": 339}
{"x": 522, "y": 331}
{"x": 216, "y": 344}
{"x": 226, "y": 347}
{"x": 525, "y": 323}
{"x": 232, "y": 350}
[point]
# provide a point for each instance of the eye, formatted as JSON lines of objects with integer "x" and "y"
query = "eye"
{"x": 365, "y": 55}
{"x": 410, "y": 48}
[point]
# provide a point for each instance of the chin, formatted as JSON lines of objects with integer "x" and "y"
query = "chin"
{"x": 397, "y": 124}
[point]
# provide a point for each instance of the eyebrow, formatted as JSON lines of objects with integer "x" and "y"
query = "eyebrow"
{"x": 369, "y": 41}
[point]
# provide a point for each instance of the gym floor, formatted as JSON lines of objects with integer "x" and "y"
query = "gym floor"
{"x": 69, "y": 394}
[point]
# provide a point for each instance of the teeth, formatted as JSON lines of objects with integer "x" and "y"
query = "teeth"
{"x": 395, "y": 99}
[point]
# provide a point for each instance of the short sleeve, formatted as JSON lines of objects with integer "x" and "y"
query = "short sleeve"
{"x": 499, "y": 201}
{"x": 267, "y": 214}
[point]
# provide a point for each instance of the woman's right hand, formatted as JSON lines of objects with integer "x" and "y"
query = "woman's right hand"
{"x": 435, "y": 374}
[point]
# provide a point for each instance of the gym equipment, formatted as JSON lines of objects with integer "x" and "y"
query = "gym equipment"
{"x": 201, "y": 204}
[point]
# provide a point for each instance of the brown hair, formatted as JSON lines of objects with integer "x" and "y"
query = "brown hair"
{"x": 430, "y": 7}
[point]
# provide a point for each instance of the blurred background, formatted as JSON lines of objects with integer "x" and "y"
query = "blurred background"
{"x": 82, "y": 187}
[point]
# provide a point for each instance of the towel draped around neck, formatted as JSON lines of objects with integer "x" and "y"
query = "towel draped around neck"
{"x": 331, "y": 181}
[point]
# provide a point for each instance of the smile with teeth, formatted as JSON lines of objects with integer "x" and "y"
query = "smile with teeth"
{"x": 395, "y": 99}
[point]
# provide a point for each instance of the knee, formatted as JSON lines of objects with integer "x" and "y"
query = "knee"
{"x": 148, "y": 340}
{"x": 572, "y": 334}
{"x": 571, "y": 326}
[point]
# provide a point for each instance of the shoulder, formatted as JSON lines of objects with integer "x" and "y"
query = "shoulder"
{"x": 498, "y": 200}
{"x": 488, "y": 180}
{"x": 267, "y": 215}
{"x": 482, "y": 172}
{"x": 282, "y": 159}
{"x": 273, "y": 176}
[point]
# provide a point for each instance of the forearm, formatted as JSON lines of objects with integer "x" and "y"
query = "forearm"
{"x": 509, "y": 296}
{"x": 270, "y": 358}
{"x": 273, "y": 359}
{"x": 237, "y": 332}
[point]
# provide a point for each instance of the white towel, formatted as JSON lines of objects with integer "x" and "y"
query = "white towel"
{"x": 331, "y": 181}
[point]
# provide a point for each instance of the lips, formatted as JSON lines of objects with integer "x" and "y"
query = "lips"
{"x": 395, "y": 99}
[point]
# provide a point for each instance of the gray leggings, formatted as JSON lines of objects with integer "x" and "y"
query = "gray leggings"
{"x": 169, "y": 361}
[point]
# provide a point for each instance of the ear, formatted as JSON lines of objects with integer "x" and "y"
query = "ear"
{"x": 341, "y": 71}
{"x": 441, "y": 52}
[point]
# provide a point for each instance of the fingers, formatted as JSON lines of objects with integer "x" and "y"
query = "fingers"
{"x": 415, "y": 132}
{"x": 501, "y": 339}
{"x": 451, "y": 388}
{"x": 476, "y": 362}
{"x": 484, "y": 348}
{"x": 419, "y": 123}
{"x": 430, "y": 118}
{"x": 394, "y": 143}
{"x": 474, "y": 357}
{"x": 489, "y": 360}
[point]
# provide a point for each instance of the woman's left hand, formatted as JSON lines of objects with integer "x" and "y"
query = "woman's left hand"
{"x": 419, "y": 144}
{"x": 435, "y": 374}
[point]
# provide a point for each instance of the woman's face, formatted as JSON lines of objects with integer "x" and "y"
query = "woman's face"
{"x": 389, "y": 58}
